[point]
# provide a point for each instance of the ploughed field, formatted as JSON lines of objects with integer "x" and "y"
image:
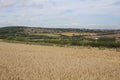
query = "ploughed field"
{"x": 35, "y": 62}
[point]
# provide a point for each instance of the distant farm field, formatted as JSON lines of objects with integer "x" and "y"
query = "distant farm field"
{"x": 47, "y": 34}
{"x": 35, "y": 62}
{"x": 77, "y": 33}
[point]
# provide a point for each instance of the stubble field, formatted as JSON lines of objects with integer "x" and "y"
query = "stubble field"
{"x": 35, "y": 62}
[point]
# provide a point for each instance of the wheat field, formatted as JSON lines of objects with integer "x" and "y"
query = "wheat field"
{"x": 35, "y": 62}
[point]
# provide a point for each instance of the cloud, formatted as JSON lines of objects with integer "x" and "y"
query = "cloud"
{"x": 117, "y": 3}
{"x": 6, "y": 3}
{"x": 45, "y": 12}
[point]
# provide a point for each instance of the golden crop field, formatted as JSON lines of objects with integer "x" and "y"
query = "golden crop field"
{"x": 35, "y": 62}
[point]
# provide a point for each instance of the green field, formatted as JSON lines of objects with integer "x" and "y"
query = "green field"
{"x": 46, "y": 34}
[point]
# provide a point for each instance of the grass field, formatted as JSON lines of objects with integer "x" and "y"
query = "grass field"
{"x": 77, "y": 33}
{"x": 97, "y": 36}
{"x": 35, "y": 62}
{"x": 47, "y": 34}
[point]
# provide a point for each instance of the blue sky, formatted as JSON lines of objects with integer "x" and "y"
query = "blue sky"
{"x": 93, "y": 14}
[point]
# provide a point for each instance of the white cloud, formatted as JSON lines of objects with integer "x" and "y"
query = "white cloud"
{"x": 55, "y": 11}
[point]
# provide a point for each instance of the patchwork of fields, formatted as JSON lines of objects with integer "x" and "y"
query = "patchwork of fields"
{"x": 35, "y": 62}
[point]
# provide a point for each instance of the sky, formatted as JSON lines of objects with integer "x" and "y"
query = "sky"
{"x": 92, "y": 14}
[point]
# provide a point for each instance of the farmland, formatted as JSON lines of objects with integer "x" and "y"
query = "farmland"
{"x": 46, "y": 34}
{"x": 35, "y": 62}
{"x": 28, "y": 53}
{"x": 61, "y": 36}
